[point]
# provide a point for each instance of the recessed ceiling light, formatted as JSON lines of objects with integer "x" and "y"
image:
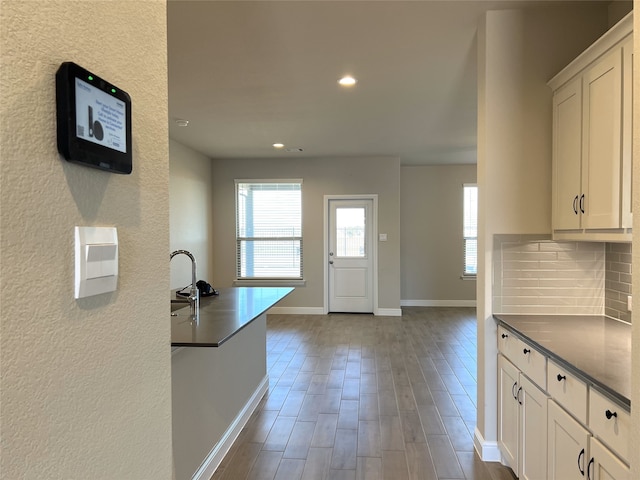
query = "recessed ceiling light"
{"x": 181, "y": 122}
{"x": 347, "y": 81}
{"x": 278, "y": 145}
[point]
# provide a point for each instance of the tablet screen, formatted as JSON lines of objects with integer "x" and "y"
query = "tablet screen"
{"x": 94, "y": 120}
{"x": 100, "y": 118}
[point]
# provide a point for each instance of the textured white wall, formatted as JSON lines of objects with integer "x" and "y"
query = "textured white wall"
{"x": 86, "y": 385}
{"x": 191, "y": 213}
{"x": 432, "y": 246}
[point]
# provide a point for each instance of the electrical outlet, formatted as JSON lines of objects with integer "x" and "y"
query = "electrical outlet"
{"x": 629, "y": 302}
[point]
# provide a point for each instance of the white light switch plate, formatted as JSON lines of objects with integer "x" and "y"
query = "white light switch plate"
{"x": 96, "y": 268}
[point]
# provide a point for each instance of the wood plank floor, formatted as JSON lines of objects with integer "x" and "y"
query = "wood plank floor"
{"x": 358, "y": 397}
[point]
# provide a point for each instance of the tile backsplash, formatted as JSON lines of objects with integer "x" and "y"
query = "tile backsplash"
{"x": 532, "y": 274}
{"x": 617, "y": 285}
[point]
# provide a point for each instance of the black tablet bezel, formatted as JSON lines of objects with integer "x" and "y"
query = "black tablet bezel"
{"x": 75, "y": 149}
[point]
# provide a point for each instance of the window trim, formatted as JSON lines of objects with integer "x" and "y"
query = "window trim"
{"x": 267, "y": 281}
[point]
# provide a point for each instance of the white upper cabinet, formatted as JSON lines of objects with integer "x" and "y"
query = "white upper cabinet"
{"x": 601, "y": 142}
{"x": 627, "y": 130}
{"x": 567, "y": 148}
{"x": 592, "y": 104}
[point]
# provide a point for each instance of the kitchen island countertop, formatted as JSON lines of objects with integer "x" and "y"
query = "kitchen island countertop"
{"x": 223, "y": 315}
{"x": 596, "y": 348}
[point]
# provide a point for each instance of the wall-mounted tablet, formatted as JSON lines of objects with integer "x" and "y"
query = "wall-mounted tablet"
{"x": 94, "y": 120}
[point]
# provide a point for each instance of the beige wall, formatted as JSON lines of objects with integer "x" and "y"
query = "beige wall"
{"x": 634, "y": 453}
{"x": 203, "y": 411}
{"x": 190, "y": 211}
{"x": 518, "y": 53}
{"x": 431, "y": 249}
{"x": 335, "y": 176}
{"x": 86, "y": 386}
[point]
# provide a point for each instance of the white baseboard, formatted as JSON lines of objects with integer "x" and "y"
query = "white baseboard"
{"x": 387, "y": 312}
{"x": 296, "y": 310}
{"x": 216, "y": 455}
{"x": 438, "y": 303}
{"x": 487, "y": 451}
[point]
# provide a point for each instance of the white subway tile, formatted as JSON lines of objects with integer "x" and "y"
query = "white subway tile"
{"x": 557, "y": 246}
{"x": 529, "y": 256}
{"x": 542, "y": 276}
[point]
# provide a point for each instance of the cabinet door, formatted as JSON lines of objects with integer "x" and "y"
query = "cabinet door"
{"x": 601, "y": 142}
{"x": 604, "y": 465}
{"x": 533, "y": 431}
{"x": 627, "y": 131}
{"x": 567, "y": 443}
{"x": 567, "y": 155}
{"x": 508, "y": 408}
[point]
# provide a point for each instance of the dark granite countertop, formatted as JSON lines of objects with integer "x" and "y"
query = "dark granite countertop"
{"x": 595, "y": 348}
{"x": 224, "y": 315}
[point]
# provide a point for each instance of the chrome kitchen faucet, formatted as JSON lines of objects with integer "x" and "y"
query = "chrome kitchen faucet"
{"x": 194, "y": 294}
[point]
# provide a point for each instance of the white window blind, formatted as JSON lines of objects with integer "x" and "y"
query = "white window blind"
{"x": 470, "y": 229}
{"x": 269, "y": 229}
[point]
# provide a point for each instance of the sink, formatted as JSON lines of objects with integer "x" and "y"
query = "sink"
{"x": 178, "y": 304}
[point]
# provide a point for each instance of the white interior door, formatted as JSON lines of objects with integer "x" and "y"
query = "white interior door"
{"x": 350, "y": 256}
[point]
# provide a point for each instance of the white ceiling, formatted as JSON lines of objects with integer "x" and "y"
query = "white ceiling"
{"x": 249, "y": 74}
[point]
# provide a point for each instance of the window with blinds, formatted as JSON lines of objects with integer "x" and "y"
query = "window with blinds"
{"x": 269, "y": 229}
{"x": 470, "y": 229}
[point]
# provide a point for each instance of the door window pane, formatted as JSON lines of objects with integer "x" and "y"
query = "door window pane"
{"x": 350, "y": 229}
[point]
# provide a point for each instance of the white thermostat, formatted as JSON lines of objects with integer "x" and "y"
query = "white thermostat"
{"x": 96, "y": 261}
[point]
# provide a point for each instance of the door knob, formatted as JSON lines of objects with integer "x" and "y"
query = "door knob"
{"x": 330, "y": 262}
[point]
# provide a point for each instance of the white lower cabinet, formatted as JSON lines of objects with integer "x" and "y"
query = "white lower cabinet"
{"x": 574, "y": 454}
{"x": 533, "y": 433}
{"x": 567, "y": 443}
{"x": 543, "y": 433}
{"x": 508, "y": 412}
{"x": 522, "y": 422}
{"x": 604, "y": 465}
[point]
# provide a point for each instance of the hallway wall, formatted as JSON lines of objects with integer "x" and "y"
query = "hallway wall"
{"x": 86, "y": 384}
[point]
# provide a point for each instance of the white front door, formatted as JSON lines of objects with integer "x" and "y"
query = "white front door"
{"x": 350, "y": 255}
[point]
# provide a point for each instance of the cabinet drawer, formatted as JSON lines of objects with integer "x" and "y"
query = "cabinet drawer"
{"x": 610, "y": 423}
{"x": 568, "y": 391}
{"x": 508, "y": 343}
{"x": 532, "y": 363}
{"x": 528, "y": 360}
